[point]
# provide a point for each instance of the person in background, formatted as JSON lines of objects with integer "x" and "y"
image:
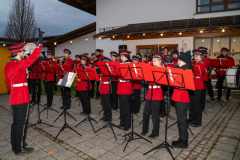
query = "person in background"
{"x": 175, "y": 56}
{"x": 114, "y": 96}
{"x": 77, "y": 57}
{"x": 222, "y": 73}
{"x": 136, "y": 89}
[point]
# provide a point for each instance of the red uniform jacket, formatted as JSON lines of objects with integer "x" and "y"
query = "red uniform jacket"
{"x": 124, "y": 87}
{"x": 48, "y": 76}
{"x": 16, "y": 78}
{"x": 157, "y": 92}
{"x": 180, "y": 95}
{"x": 100, "y": 58}
{"x": 198, "y": 82}
{"x": 104, "y": 88}
{"x": 205, "y": 74}
{"x": 68, "y": 62}
{"x": 207, "y": 63}
{"x": 82, "y": 84}
{"x": 137, "y": 84}
{"x": 175, "y": 60}
{"x": 223, "y": 70}
{"x": 32, "y": 75}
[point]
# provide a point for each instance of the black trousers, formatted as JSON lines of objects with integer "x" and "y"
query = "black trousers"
{"x": 19, "y": 126}
{"x": 114, "y": 95}
{"x": 136, "y": 100}
{"x": 181, "y": 110}
{"x": 76, "y": 93}
{"x": 195, "y": 107}
{"x": 162, "y": 104}
{"x": 92, "y": 91}
{"x": 36, "y": 89}
{"x": 29, "y": 86}
{"x": 151, "y": 107}
{"x": 107, "y": 112}
{"x": 220, "y": 86}
{"x": 98, "y": 94}
{"x": 125, "y": 110}
{"x": 84, "y": 98}
{"x": 203, "y": 96}
{"x": 66, "y": 97}
{"x": 210, "y": 88}
{"x": 48, "y": 85}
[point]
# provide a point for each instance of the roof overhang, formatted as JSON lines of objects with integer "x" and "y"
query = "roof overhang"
{"x": 187, "y": 27}
{"x": 88, "y": 6}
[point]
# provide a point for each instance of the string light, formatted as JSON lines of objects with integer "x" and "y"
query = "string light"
{"x": 201, "y": 31}
{"x": 161, "y": 34}
{"x": 180, "y": 33}
{"x": 55, "y": 43}
{"x": 223, "y": 30}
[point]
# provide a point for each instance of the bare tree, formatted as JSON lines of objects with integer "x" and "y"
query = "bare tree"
{"x": 21, "y": 23}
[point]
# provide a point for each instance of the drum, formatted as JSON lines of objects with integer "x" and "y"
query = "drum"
{"x": 232, "y": 78}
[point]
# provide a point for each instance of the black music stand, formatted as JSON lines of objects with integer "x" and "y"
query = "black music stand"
{"x": 131, "y": 73}
{"x": 38, "y": 111}
{"x": 164, "y": 78}
{"x": 111, "y": 71}
{"x": 59, "y": 70}
{"x": 48, "y": 69}
{"x": 88, "y": 75}
{"x": 65, "y": 125}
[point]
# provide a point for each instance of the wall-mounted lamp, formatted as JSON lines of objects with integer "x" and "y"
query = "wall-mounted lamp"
{"x": 161, "y": 34}
{"x": 55, "y": 43}
{"x": 180, "y": 33}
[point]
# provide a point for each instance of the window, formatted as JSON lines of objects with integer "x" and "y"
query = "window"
{"x": 204, "y": 6}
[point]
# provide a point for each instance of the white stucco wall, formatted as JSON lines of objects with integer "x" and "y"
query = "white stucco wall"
{"x": 78, "y": 46}
{"x": 131, "y": 44}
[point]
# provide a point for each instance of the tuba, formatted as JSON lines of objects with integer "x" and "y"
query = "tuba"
{"x": 29, "y": 48}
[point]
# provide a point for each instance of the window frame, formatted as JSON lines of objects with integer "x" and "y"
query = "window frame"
{"x": 224, "y": 2}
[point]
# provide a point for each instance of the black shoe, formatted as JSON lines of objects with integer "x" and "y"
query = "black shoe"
{"x": 76, "y": 96}
{"x": 120, "y": 126}
{"x": 125, "y": 129}
{"x": 115, "y": 108}
{"x": 143, "y": 133}
{"x": 45, "y": 104}
{"x": 212, "y": 99}
{"x": 107, "y": 120}
{"x": 67, "y": 107}
{"x": 152, "y": 136}
{"x": 62, "y": 107}
{"x": 180, "y": 144}
{"x": 189, "y": 121}
{"x": 24, "y": 151}
{"x": 194, "y": 124}
{"x": 82, "y": 112}
{"x": 102, "y": 119}
{"x": 96, "y": 97}
{"x": 91, "y": 97}
{"x": 162, "y": 114}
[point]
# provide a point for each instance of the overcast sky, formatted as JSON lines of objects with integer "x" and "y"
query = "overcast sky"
{"x": 54, "y": 17}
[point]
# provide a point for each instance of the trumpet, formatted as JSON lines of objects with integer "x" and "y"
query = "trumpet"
{"x": 54, "y": 58}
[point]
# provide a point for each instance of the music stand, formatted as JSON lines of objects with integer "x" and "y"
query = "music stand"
{"x": 112, "y": 70}
{"x": 38, "y": 69}
{"x": 65, "y": 125}
{"x": 133, "y": 71}
{"x": 171, "y": 77}
{"x": 60, "y": 71}
{"x": 48, "y": 69}
{"x": 88, "y": 74}
{"x": 220, "y": 64}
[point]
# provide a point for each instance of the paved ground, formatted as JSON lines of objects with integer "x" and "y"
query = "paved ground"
{"x": 218, "y": 137}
